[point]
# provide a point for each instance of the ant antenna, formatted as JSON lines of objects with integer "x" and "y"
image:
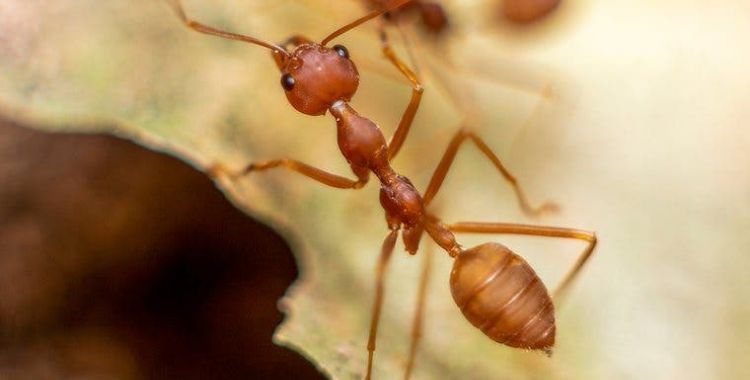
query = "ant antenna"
{"x": 388, "y": 8}
{"x": 177, "y": 7}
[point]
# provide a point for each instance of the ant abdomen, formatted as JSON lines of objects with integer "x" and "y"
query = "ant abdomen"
{"x": 500, "y": 294}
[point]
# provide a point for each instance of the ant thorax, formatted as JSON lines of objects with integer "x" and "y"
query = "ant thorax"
{"x": 361, "y": 141}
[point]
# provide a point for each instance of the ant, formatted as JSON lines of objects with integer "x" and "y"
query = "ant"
{"x": 497, "y": 290}
{"x": 434, "y": 18}
{"x": 527, "y": 11}
{"x": 433, "y": 25}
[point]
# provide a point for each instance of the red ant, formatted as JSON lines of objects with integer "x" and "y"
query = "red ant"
{"x": 434, "y": 18}
{"x": 433, "y": 25}
{"x": 526, "y": 11}
{"x": 496, "y": 289}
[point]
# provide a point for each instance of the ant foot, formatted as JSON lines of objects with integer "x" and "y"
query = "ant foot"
{"x": 545, "y": 208}
{"x": 219, "y": 170}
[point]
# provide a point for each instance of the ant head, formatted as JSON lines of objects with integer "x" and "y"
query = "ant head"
{"x": 315, "y": 76}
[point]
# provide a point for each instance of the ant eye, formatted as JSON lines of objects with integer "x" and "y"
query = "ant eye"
{"x": 341, "y": 51}
{"x": 287, "y": 81}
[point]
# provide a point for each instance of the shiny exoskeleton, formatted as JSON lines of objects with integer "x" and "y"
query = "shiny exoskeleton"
{"x": 434, "y": 19}
{"x": 526, "y": 11}
{"x": 496, "y": 290}
{"x": 500, "y": 294}
{"x": 432, "y": 15}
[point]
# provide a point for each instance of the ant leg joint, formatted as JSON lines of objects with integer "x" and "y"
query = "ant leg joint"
{"x": 219, "y": 170}
{"x": 455, "y": 251}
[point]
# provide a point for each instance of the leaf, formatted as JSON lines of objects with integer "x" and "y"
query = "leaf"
{"x": 644, "y": 144}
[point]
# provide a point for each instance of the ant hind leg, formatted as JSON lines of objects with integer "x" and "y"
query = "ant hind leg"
{"x": 385, "y": 255}
{"x": 417, "y": 323}
{"x": 525, "y": 229}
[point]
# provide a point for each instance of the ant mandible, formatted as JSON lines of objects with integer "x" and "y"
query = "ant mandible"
{"x": 497, "y": 290}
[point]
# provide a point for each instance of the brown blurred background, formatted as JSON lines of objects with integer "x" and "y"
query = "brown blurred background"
{"x": 120, "y": 263}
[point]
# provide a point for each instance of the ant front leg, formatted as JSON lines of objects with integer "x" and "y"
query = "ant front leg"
{"x": 525, "y": 229}
{"x": 416, "y": 97}
{"x": 450, "y": 154}
{"x": 312, "y": 172}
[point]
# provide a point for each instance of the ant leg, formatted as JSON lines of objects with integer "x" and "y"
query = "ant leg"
{"x": 450, "y": 154}
{"x": 385, "y": 256}
{"x": 416, "y": 329}
{"x": 319, "y": 175}
{"x": 525, "y": 229}
{"x": 416, "y": 97}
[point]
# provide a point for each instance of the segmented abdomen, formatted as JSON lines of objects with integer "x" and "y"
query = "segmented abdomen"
{"x": 500, "y": 294}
